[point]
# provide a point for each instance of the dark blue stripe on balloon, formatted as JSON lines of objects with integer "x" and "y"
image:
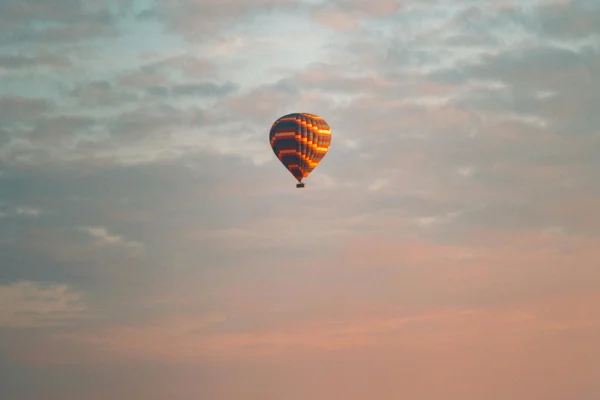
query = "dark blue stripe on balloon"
{"x": 287, "y": 144}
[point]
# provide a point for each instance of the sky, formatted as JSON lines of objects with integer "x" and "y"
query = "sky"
{"x": 153, "y": 247}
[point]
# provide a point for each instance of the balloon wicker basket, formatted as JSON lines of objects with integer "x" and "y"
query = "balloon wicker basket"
{"x": 300, "y": 185}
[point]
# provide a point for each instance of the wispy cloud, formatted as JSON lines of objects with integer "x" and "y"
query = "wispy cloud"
{"x": 20, "y": 211}
{"x": 28, "y": 211}
{"x": 33, "y": 305}
{"x": 103, "y": 238}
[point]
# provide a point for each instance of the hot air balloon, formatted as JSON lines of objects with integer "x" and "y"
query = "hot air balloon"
{"x": 300, "y": 141}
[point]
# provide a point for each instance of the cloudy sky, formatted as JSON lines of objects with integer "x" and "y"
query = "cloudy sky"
{"x": 153, "y": 247}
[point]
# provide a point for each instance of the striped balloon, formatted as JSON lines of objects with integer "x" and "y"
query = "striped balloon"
{"x": 300, "y": 141}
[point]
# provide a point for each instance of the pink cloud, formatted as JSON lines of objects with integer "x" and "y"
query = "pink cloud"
{"x": 346, "y": 15}
{"x": 496, "y": 313}
{"x": 451, "y": 332}
{"x": 193, "y": 17}
{"x": 376, "y": 7}
{"x": 337, "y": 20}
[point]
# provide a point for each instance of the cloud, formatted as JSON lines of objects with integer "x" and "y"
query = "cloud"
{"x": 570, "y": 19}
{"x": 31, "y": 305}
{"x": 342, "y": 15}
{"x": 60, "y": 127}
{"x": 21, "y": 211}
{"x": 47, "y": 137}
{"x": 67, "y": 247}
{"x": 145, "y": 134}
{"x": 268, "y": 100}
{"x": 142, "y": 79}
{"x": 208, "y": 89}
{"x": 20, "y": 62}
{"x": 157, "y": 77}
{"x": 103, "y": 238}
{"x": 189, "y": 65}
{"x": 194, "y": 20}
{"x": 28, "y": 211}
{"x": 162, "y": 120}
{"x": 325, "y": 331}
{"x": 101, "y": 93}
{"x": 18, "y": 108}
{"x": 63, "y": 21}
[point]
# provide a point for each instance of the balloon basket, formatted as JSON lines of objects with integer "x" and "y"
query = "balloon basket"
{"x": 300, "y": 185}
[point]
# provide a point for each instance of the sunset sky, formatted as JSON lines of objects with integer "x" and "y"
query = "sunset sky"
{"x": 153, "y": 247}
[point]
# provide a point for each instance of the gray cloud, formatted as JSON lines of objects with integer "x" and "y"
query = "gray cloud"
{"x": 534, "y": 67}
{"x": 263, "y": 103}
{"x": 544, "y": 82}
{"x": 154, "y": 120}
{"x": 192, "y": 89}
{"x": 60, "y": 127}
{"x": 20, "y": 62}
{"x": 20, "y": 109}
{"x": 46, "y": 138}
{"x": 94, "y": 220}
{"x": 30, "y": 304}
{"x": 101, "y": 93}
{"x": 152, "y": 79}
{"x": 65, "y": 20}
{"x": 208, "y": 89}
{"x": 196, "y": 20}
{"x": 142, "y": 78}
{"x": 186, "y": 64}
{"x": 572, "y": 19}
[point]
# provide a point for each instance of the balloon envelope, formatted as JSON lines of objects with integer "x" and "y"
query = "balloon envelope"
{"x": 300, "y": 141}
